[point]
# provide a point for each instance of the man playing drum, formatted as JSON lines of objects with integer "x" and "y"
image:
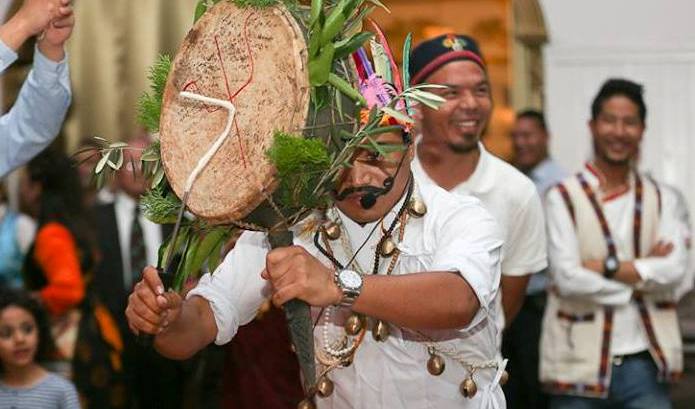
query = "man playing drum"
{"x": 424, "y": 282}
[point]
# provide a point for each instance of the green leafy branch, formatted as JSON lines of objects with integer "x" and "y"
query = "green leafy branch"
{"x": 150, "y": 103}
{"x": 300, "y": 163}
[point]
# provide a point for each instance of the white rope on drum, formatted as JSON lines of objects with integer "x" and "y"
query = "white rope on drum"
{"x": 203, "y": 162}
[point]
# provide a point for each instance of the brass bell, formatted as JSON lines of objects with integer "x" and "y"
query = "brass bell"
{"x": 380, "y": 331}
{"x": 354, "y": 324}
{"x": 504, "y": 378}
{"x": 417, "y": 208}
{"x": 435, "y": 365}
{"x": 468, "y": 387}
{"x": 331, "y": 230}
{"x": 306, "y": 404}
{"x": 324, "y": 387}
{"x": 388, "y": 247}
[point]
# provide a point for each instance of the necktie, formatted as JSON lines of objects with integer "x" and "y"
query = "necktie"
{"x": 138, "y": 255}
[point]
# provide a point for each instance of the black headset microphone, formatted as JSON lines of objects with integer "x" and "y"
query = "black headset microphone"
{"x": 368, "y": 200}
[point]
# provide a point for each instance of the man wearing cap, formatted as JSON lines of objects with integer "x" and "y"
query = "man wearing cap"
{"x": 449, "y": 154}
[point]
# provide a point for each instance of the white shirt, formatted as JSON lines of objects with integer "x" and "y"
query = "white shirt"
{"x": 456, "y": 234}
{"x": 124, "y": 206}
{"x": 512, "y": 199}
{"x": 574, "y": 280}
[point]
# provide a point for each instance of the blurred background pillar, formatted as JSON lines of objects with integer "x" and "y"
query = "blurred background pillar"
{"x": 111, "y": 49}
{"x": 529, "y": 36}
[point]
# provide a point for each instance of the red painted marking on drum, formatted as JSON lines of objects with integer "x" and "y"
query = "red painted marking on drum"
{"x": 248, "y": 81}
{"x": 250, "y": 54}
{"x": 193, "y": 85}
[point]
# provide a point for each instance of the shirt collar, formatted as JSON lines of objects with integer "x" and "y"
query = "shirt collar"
{"x": 593, "y": 177}
{"x": 483, "y": 178}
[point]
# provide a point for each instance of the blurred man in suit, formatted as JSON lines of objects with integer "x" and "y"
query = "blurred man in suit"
{"x": 128, "y": 241}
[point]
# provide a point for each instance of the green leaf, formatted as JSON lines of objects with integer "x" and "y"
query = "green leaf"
{"x": 383, "y": 129}
{"x": 346, "y": 88}
{"x": 207, "y": 245}
{"x": 300, "y": 163}
{"x": 316, "y": 10}
{"x": 320, "y": 68}
{"x": 216, "y": 255}
{"x": 405, "y": 70}
{"x": 118, "y": 145}
{"x": 159, "y": 207}
{"x": 167, "y": 248}
{"x": 348, "y": 46}
{"x": 190, "y": 265}
{"x": 338, "y": 98}
{"x": 355, "y": 24}
{"x": 158, "y": 177}
{"x": 102, "y": 162}
{"x": 427, "y": 98}
{"x": 334, "y": 23}
{"x": 380, "y": 4}
{"x": 397, "y": 115}
{"x": 200, "y": 9}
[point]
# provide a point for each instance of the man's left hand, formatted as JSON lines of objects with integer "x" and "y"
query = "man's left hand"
{"x": 294, "y": 273}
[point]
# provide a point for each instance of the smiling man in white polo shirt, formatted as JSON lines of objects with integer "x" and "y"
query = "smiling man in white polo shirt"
{"x": 450, "y": 154}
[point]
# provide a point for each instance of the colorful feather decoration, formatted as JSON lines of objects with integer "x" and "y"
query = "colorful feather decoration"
{"x": 364, "y": 67}
{"x": 384, "y": 43}
{"x": 382, "y": 65}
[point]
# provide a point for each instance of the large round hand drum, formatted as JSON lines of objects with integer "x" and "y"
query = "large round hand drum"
{"x": 256, "y": 59}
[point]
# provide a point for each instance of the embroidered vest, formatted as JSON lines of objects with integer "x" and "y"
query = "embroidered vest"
{"x": 575, "y": 344}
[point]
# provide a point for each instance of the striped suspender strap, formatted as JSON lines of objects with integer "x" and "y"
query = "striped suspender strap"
{"x": 568, "y": 202}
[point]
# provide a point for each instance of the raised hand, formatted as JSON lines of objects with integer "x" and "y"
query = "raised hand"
{"x": 52, "y": 41}
{"x": 35, "y": 17}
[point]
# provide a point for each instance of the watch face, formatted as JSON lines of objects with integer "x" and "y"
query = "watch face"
{"x": 612, "y": 263}
{"x": 350, "y": 279}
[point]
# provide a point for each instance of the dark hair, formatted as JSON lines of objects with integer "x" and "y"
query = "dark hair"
{"x": 61, "y": 197}
{"x": 622, "y": 87}
{"x": 534, "y": 115}
{"x": 20, "y": 298}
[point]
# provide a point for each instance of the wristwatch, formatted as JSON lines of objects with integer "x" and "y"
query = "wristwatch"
{"x": 610, "y": 266}
{"x": 350, "y": 284}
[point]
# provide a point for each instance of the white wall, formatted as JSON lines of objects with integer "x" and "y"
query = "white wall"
{"x": 649, "y": 41}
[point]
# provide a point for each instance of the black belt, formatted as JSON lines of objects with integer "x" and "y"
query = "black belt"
{"x": 619, "y": 359}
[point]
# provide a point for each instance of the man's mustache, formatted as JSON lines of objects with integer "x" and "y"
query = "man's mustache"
{"x": 358, "y": 189}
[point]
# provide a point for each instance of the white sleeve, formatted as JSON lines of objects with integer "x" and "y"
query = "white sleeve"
{"x": 38, "y": 113}
{"x": 236, "y": 290}
{"x": 525, "y": 248}
{"x": 660, "y": 273}
{"x": 26, "y": 230}
{"x": 567, "y": 273}
{"x": 470, "y": 244}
